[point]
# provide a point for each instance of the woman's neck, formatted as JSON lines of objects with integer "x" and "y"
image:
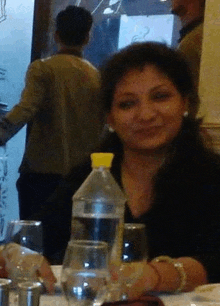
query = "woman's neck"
{"x": 138, "y": 170}
{"x": 143, "y": 163}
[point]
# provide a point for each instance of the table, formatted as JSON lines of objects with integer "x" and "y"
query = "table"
{"x": 181, "y": 299}
{"x": 169, "y": 300}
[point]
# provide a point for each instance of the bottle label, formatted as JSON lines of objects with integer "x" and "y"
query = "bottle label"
{"x": 99, "y": 208}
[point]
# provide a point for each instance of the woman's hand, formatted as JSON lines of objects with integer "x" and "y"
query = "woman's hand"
{"x": 45, "y": 272}
{"x": 14, "y": 258}
{"x": 136, "y": 278}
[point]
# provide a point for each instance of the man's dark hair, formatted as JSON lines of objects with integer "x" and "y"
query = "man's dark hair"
{"x": 73, "y": 25}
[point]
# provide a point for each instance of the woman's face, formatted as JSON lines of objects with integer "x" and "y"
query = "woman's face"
{"x": 147, "y": 109}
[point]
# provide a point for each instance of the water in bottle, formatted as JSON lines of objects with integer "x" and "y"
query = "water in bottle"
{"x": 98, "y": 207}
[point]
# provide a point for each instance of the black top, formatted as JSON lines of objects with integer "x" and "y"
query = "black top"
{"x": 185, "y": 216}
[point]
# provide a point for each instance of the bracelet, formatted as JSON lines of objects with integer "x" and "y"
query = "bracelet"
{"x": 178, "y": 266}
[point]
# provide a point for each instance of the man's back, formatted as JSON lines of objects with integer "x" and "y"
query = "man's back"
{"x": 61, "y": 100}
{"x": 191, "y": 48}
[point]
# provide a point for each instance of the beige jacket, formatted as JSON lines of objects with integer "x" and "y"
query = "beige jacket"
{"x": 191, "y": 47}
{"x": 60, "y": 104}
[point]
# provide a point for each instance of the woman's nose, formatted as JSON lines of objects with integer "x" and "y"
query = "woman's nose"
{"x": 146, "y": 111}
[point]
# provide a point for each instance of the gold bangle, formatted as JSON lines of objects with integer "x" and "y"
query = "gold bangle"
{"x": 178, "y": 266}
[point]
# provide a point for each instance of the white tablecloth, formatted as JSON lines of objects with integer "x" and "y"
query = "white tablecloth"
{"x": 169, "y": 300}
{"x": 58, "y": 299}
{"x": 183, "y": 299}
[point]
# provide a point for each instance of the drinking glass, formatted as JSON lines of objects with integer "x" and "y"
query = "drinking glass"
{"x": 134, "y": 254}
{"x": 23, "y": 250}
{"x": 85, "y": 274}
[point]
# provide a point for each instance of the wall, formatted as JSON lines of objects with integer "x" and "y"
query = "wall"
{"x": 107, "y": 16}
{"x": 209, "y": 86}
{"x": 15, "y": 54}
{"x": 210, "y": 64}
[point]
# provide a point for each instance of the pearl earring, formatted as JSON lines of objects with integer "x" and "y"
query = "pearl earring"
{"x": 186, "y": 114}
{"x": 111, "y": 130}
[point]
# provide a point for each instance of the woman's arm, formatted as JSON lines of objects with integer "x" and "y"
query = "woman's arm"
{"x": 164, "y": 276}
{"x": 170, "y": 278}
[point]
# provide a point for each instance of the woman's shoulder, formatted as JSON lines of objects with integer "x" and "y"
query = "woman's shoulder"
{"x": 191, "y": 166}
{"x": 192, "y": 157}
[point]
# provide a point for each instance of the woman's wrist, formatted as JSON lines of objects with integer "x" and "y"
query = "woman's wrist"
{"x": 166, "y": 276}
{"x": 155, "y": 278}
{"x": 176, "y": 274}
{"x": 178, "y": 266}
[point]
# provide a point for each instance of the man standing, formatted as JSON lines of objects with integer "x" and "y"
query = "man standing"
{"x": 59, "y": 104}
{"x": 191, "y": 14}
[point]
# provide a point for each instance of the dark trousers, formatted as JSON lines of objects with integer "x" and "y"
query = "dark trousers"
{"x": 34, "y": 189}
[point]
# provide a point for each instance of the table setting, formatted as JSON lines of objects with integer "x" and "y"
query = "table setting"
{"x": 169, "y": 299}
{"x": 180, "y": 299}
{"x": 85, "y": 266}
{"x": 103, "y": 260}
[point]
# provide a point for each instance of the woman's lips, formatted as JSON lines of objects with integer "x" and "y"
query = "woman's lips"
{"x": 147, "y": 131}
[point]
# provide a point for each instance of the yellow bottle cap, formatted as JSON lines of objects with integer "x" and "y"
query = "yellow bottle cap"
{"x": 102, "y": 160}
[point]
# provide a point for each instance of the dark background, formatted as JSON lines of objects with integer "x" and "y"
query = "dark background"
{"x": 104, "y": 38}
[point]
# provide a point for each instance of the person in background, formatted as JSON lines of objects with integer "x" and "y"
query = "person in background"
{"x": 60, "y": 106}
{"x": 191, "y": 14}
{"x": 168, "y": 173}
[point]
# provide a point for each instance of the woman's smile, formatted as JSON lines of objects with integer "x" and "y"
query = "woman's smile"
{"x": 147, "y": 109}
{"x": 151, "y": 130}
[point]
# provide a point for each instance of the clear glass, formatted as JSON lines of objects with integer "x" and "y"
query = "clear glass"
{"x": 85, "y": 276}
{"x": 23, "y": 250}
{"x": 134, "y": 257}
{"x": 134, "y": 243}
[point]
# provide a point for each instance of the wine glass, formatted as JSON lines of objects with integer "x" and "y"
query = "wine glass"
{"x": 24, "y": 246}
{"x": 85, "y": 274}
{"x": 134, "y": 255}
{"x": 133, "y": 258}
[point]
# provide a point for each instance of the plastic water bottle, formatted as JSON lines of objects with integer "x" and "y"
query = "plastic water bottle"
{"x": 98, "y": 207}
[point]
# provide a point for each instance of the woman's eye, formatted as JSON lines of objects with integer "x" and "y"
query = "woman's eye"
{"x": 125, "y": 104}
{"x": 161, "y": 96}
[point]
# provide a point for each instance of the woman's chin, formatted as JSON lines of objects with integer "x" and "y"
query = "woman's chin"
{"x": 148, "y": 146}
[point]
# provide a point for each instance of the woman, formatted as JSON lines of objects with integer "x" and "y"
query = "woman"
{"x": 171, "y": 178}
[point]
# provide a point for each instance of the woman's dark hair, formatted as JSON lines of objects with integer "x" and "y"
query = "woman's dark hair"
{"x": 73, "y": 25}
{"x": 136, "y": 56}
{"x": 202, "y": 4}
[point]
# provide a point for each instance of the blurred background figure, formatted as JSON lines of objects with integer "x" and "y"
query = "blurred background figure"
{"x": 191, "y": 14}
{"x": 59, "y": 104}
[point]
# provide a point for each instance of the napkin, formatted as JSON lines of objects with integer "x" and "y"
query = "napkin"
{"x": 145, "y": 300}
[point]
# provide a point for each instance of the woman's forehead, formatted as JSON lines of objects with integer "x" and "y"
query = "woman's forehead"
{"x": 146, "y": 70}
